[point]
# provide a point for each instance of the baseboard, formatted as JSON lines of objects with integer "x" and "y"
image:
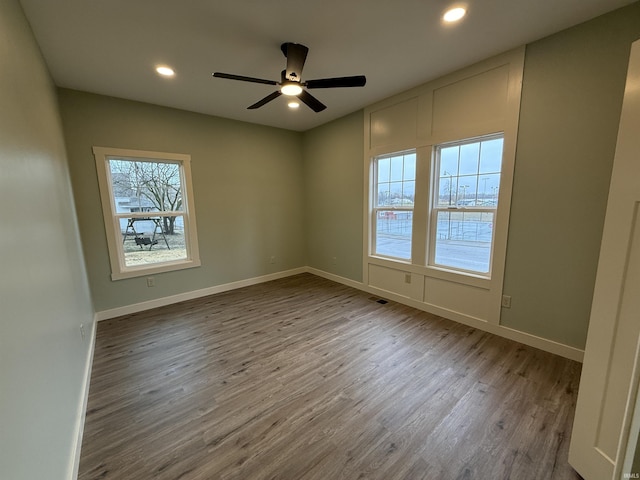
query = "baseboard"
{"x": 181, "y": 297}
{"x": 547, "y": 345}
{"x": 82, "y": 410}
{"x": 336, "y": 278}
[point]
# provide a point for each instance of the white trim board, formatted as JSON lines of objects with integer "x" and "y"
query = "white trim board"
{"x": 547, "y": 345}
{"x": 516, "y": 335}
{"x": 82, "y": 410}
{"x": 181, "y": 297}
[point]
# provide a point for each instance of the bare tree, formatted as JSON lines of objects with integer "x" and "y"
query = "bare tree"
{"x": 157, "y": 182}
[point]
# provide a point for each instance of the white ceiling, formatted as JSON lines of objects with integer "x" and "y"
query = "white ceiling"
{"x": 111, "y": 47}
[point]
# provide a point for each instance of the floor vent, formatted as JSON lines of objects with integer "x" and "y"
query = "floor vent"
{"x": 379, "y": 300}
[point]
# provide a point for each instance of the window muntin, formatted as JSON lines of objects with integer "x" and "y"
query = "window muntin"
{"x": 148, "y": 211}
{"x": 466, "y": 185}
{"x": 395, "y": 186}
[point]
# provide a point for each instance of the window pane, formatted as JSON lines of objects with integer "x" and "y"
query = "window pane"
{"x": 469, "y": 188}
{"x": 149, "y": 187}
{"x": 396, "y": 180}
{"x": 393, "y": 233}
{"x": 409, "y": 167}
{"x": 384, "y": 197}
{"x": 153, "y": 240}
{"x": 393, "y": 228}
{"x": 467, "y": 191}
{"x": 397, "y": 165}
{"x": 469, "y": 158}
{"x": 449, "y": 161}
{"x": 491, "y": 156}
{"x": 448, "y": 191}
{"x": 408, "y": 192}
{"x": 463, "y": 240}
{"x": 395, "y": 189}
{"x": 140, "y": 186}
{"x": 384, "y": 166}
{"x": 488, "y": 186}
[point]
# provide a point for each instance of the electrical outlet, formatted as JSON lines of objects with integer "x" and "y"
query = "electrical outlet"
{"x": 82, "y": 331}
{"x": 151, "y": 282}
{"x": 506, "y": 301}
{"x": 334, "y": 260}
{"x": 272, "y": 259}
{"x": 407, "y": 278}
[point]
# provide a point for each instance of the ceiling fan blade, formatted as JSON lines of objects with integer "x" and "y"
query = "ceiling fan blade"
{"x": 231, "y": 76}
{"x": 296, "y": 55}
{"x": 265, "y": 100}
{"x": 355, "y": 81}
{"x": 311, "y": 101}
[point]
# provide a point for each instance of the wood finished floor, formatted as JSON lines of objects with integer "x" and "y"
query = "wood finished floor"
{"x": 303, "y": 378}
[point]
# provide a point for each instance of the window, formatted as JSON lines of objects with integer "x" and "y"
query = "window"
{"x": 395, "y": 181}
{"x": 148, "y": 211}
{"x": 465, "y": 199}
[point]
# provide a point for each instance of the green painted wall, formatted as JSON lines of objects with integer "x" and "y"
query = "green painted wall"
{"x": 635, "y": 466}
{"x": 261, "y": 191}
{"x": 572, "y": 97}
{"x": 571, "y": 102}
{"x": 248, "y": 190}
{"x": 333, "y": 160}
{"x": 44, "y": 293}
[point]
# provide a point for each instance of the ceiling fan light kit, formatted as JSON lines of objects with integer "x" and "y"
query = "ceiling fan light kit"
{"x": 291, "y": 89}
{"x": 291, "y": 83}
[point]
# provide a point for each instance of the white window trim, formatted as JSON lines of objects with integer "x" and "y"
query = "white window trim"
{"x": 111, "y": 219}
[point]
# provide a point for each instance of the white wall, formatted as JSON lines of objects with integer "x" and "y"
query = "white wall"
{"x": 44, "y": 295}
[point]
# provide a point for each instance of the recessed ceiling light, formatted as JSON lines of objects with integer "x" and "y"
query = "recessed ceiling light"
{"x": 165, "y": 71}
{"x": 293, "y": 105}
{"x": 454, "y": 14}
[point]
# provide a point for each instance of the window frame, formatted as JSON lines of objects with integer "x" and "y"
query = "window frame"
{"x": 435, "y": 208}
{"x": 375, "y": 209}
{"x": 119, "y": 269}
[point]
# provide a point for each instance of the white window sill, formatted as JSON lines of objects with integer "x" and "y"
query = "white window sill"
{"x": 146, "y": 270}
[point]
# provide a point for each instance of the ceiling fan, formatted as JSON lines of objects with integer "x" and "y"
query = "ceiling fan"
{"x": 291, "y": 83}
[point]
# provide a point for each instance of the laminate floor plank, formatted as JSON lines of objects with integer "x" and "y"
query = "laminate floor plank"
{"x": 306, "y": 379}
